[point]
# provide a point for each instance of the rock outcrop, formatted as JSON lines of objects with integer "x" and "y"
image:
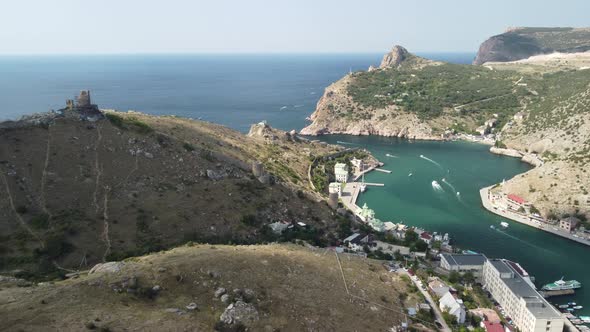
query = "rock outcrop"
{"x": 522, "y": 43}
{"x": 395, "y": 57}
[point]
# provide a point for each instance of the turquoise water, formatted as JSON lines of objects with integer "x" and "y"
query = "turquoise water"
{"x": 466, "y": 167}
{"x": 238, "y": 90}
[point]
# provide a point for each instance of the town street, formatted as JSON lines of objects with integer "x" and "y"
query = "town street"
{"x": 433, "y": 304}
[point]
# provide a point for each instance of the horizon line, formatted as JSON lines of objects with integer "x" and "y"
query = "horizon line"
{"x": 228, "y": 53}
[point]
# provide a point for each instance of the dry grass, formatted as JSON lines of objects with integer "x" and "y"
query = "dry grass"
{"x": 296, "y": 289}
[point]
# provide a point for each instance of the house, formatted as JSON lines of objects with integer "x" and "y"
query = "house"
{"x": 423, "y": 306}
{"x": 454, "y": 306}
{"x": 426, "y": 237}
{"x": 438, "y": 287}
{"x": 569, "y": 224}
{"x": 357, "y": 242}
{"x": 357, "y": 164}
{"x": 515, "y": 202}
{"x": 335, "y": 187}
{"x": 492, "y": 327}
{"x": 341, "y": 172}
{"x": 463, "y": 263}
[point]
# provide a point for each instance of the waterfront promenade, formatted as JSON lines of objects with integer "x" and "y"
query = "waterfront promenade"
{"x": 554, "y": 229}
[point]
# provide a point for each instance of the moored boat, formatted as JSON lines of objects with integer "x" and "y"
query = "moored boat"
{"x": 562, "y": 285}
{"x": 504, "y": 224}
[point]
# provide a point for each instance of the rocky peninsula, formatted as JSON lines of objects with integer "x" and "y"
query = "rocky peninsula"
{"x": 533, "y": 109}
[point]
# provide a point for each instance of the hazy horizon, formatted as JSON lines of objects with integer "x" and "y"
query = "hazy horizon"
{"x": 64, "y": 27}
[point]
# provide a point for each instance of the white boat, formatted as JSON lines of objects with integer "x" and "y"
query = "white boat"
{"x": 504, "y": 224}
{"x": 492, "y": 227}
{"x": 578, "y": 307}
{"x": 410, "y": 174}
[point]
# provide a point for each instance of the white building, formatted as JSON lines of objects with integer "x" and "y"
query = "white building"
{"x": 512, "y": 288}
{"x": 335, "y": 187}
{"x": 341, "y": 172}
{"x": 463, "y": 263}
{"x": 454, "y": 306}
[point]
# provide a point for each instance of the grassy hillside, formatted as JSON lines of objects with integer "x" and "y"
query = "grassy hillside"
{"x": 287, "y": 288}
{"x": 75, "y": 193}
{"x": 430, "y": 90}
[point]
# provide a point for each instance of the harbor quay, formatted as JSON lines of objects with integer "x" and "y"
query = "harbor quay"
{"x": 495, "y": 208}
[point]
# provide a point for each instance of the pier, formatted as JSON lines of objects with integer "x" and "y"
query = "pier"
{"x": 382, "y": 170}
{"x": 375, "y": 184}
{"x": 547, "y": 294}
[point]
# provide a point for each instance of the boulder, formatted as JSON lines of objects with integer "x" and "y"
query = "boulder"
{"x": 108, "y": 267}
{"x": 239, "y": 312}
{"x": 220, "y": 291}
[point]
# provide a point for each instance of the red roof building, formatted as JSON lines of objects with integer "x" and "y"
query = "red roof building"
{"x": 491, "y": 327}
{"x": 516, "y": 199}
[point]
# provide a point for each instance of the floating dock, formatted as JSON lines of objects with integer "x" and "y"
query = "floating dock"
{"x": 382, "y": 170}
{"x": 547, "y": 294}
{"x": 375, "y": 184}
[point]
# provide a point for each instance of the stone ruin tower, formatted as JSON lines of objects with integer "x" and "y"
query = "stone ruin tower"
{"x": 83, "y": 107}
{"x": 83, "y": 100}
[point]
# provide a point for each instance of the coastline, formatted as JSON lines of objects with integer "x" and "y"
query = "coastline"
{"x": 487, "y": 204}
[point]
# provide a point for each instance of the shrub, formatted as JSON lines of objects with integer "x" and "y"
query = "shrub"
{"x": 21, "y": 209}
{"x": 188, "y": 147}
{"x": 40, "y": 221}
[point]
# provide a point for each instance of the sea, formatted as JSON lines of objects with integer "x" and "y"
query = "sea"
{"x": 241, "y": 89}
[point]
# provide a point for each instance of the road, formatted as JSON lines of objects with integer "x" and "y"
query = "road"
{"x": 433, "y": 304}
{"x": 554, "y": 229}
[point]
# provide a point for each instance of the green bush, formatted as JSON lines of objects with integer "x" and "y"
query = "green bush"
{"x": 129, "y": 123}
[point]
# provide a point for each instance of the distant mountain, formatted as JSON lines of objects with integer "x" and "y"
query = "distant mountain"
{"x": 521, "y": 43}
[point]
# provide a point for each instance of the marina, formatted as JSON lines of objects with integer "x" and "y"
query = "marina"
{"x": 468, "y": 167}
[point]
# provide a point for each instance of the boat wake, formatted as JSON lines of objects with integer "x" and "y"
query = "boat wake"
{"x": 284, "y": 108}
{"x": 391, "y": 155}
{"x": 450, "y": 185}
{"x": 297, "y": 106}
{"x": 436, "y": 186}
{"x": 430, "y": 160}
{"x": 347, "y": 143}
{"x": 520, "y": 240}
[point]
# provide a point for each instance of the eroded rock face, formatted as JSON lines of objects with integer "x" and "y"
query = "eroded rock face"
{"x": 506, "y": 47}
{"x": 522, "y": 43}
{"x": 395, "y": 57}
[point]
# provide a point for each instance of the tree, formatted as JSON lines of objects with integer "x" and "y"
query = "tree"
{"x": 468, "y": 278}
{"x": 420, "y": 246}
{"x": 410, "y": 237}
{"x": 454, "y": 277}
{"x": 450, "y": 319}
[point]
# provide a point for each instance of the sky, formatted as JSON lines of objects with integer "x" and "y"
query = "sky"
{"x": 271, "y": 26}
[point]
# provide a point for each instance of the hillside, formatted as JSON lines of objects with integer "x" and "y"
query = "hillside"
{"x": 78, "y": 189}
{"x": 522, "y": 43}
{"x": 539, "y": 107}
{"x": 416, "y": 99}
{"x": 204, "y": 287}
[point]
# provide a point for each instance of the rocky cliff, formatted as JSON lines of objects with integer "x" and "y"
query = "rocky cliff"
{"x": 338, "y": 113}
{"x": 522, "y": 43}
